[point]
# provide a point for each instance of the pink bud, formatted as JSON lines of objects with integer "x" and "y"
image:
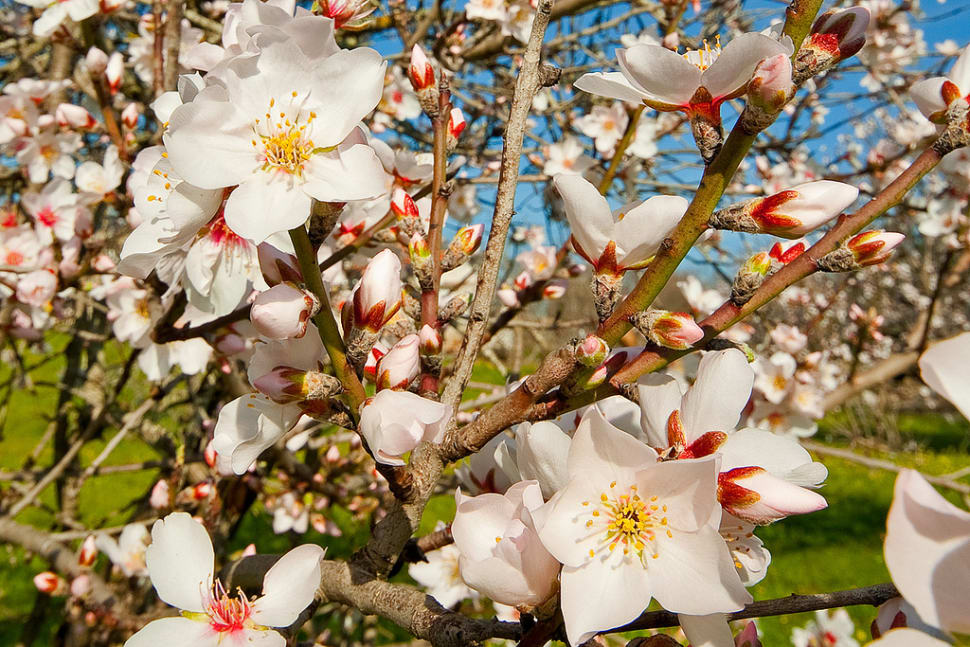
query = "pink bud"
{"x": 420, "y": 71}
{"x": 160, "y": 496}
{"x": 248, "y": 551}
{"x": 772, "y": 83}
{"x": 69, "y": 115}
{"x": 283, "y": 384}
{"x": 469, "y": 238}
{"x": 209, "y": 455}
{"x": 277, "y": 266}
{"x": 400, "y": 365}
{"x": 80, "y": 586}
{"x": 873, "y": 247}
{"x": 524, "y": 281}
{"x": 508, "y": 297}
{"x": 333, "y": 454}
{"x": 88, "y": 552}
{"x": 200, "y": 491}
{"x": 96, "y": 60}
{"x": 841, "y": 33}
{"x": 102, "y": 263}
{"x": 675, "y": 330}
{"x": 430, "y": 340}
{"x": 114, "y": 71}
{"x": 129, "y": 116}
{"x": 47, "y": 582}
{"x": 403, "y": 205}
{"x": 378, "y": 294}
{"x": 283, "y": 311}
{"x": 230, "y": 344}
{"x": 592, "y": 351}
{"x": 748, "y": 636}
{"x": 755, "y": 495}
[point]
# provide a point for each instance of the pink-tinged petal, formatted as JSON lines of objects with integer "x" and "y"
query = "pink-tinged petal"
{"x": 707, "y": 631}
{"x": 608, "y": 84}
{"x": 761, "y": 498}
{"x": 355, "y": 174}
{"x": 289, "y": 587}
{"x": 175, "y": 631}
{"x": 906, "y": 637}
{"x": 928, "y": 95}
{"x": 927, "y": 551}
{"x": 719, "y": 395}
{"x": 218, "y": 129}
{"x": 736, "y": 64}
{"x": 250, "y": 204}
{"x": 782, "y": 456}
{"x": 688, "y": 488}
{"x": 661, "y": 74}
{"x": 660, "y": 395}
{"x": 944, "y": 368}
{"x": 693, "y": 574}
{"x": 248, "y": 426}
{"x": 479, "y": 521}
{"x": 643, "y": 228}
{"x": 588, "y": 213}
{"x": 601, "y": 448}
{"x": 601, "y": 596}
{"x": 180, "y": 561}
{"x": 960, "y": 74}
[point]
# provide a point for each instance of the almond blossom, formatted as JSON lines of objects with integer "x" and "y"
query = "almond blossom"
{"x": 181, "y": 566}
{"x": 395, "y": 422}
{"x": 933, "y": 96}
{"x": 57, "y": 12}
{"x": 944, "y": 369}
{"x": 128, "y": 551}
{"x": 628, "y": 529}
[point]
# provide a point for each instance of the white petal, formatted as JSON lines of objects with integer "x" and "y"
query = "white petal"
{"x": 608, "y": 84}
{"x": 588, "y": 213}
{"x": 736, "y": 64}
{"x": 906, "y": 637}
{"x": 601, "y": 448}
{"x": 644, "y": 227}
{"x": 249, "y": 425}
{"x": 659, "y": 395}
{"x": 264, "y": 204}
{"x": 926, "y": 94}
{"x": 945, "y": 367}
{"x": 662, "y": 74}
{"x": 780, "y": 455}
{"x": 599, "y": 596}
{"x": 208, "y": 143}
{"x": 707, "y": 631}
{"x": 688, "y": 487}
{"x": 347, "y": 86}
{"x": 719, "y": 395}
{"x": 542, "y": 451}
{"x": 289, "y": 587}
{"x": 174, "y": 631}
{"x": 960, "y": 74}
{"x": 356, "y": 174}
{"x": 180, "y": 561}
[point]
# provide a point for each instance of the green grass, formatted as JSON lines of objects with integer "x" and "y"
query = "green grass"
{"x": 838, "y": 548}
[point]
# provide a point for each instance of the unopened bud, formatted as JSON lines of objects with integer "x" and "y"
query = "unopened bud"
{"x": 748, "y": 636}
{"x": 554, "y": 289}
{"x": 96, "y": 60}
{"x": 129, "y": 116}
{"x": 406, "y": 211}
{"x": 592, "y": 351}
{"x": 787, "y": 251}
{"x": 378, "y": 294}
{"x": 868, "y": 248}
{"x": 69, "y": 115}
{"x": 750, "y": 277}
{"x": 464, "y": 244}
{"x": 755, "y": 495}
{"x": 788, "y": 214}
{"x": 283, "y": 311}
{"x": 430, "y": 340}
{"x": 768, "y": 91}
{"x": 160, "y": 498}
{"x": 88, "y": 552}
{"x": 456, "y": 124}
{"x": 81, "y": 585}
{"x": 277, "y": 266}
{"x": 836, "y": 35}
{"x": 421, "y": 74}
{"x": 283, "y": 384}
{"x": 400, "y": 365}
{"x": 47, "y": 582}
{"x": 508, "y": 297}
{"x": 676, "y": 330}
{"x": 420, "y": 253}
{"x": 209, "y": 455}
{"x": 114, "y": 71}
{"x": 377, "y": 351}
{"x": 200, "y": 491}
{"x": 455, "y": 307}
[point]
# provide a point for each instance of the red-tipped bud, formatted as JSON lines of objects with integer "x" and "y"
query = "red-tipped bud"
{"x": 96, "y": 60}
{"x": 841, "y": 33}
{"x": 403, "y": 205}
{"x": 47, "y": 582}
{"x": 555, "y": 289}
{"x": 430, "y": 340}
{"x": 377, "y": 351}
{"x": 283, "y": 311}
{"x": 200, "y": 491}
{"x": 873, "y": 247}
{"x": 592, "y": 351}
{"x": 400, "y": 365}
{"x": 524, "y": 281}
{"x": 114, "y": 71}
{"x": 209, "y": 455}
{"x": 283, "y": 384}
{"x": 88, "y": 552}
{"x": 378, "y": 295}
{"x": 129, "y": 116}
{"x": 755, "y": 495}
{"x": 787, "y": 251}
{"x": 69, "y": 115}
{"x": 469, "y": 238}
{"x": 675, "y": 330}
{"x": 420, "y": 71}
{"x": 277, "y": 266}
{"x": 456, "y": 124}
{"x": 789, "y": 214}
{"x": 772, "y": 84}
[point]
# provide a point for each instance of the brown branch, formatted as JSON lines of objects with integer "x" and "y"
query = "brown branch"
{"x": 173, "y": 43}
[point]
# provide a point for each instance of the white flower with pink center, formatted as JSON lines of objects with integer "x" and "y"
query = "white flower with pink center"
{"x": 54, "y": 210}
{"x": 181, "y": 566}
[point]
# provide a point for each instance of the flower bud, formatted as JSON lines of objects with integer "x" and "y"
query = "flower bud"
{"x": 129, "y": 116}
{"x": 277, "y": 266}
{"x": 592, "y": 351}
{"x": 786, "y": 252}
{"x": 463, "y": 245}
{"x": 47, "y": 582}
{"x": 430, "y": 340}
{"x": 377, "y": 351}
{"x": 283, "y": 384}
{"x": 755, "y": 495}
{"x": 456, "y": 124}
{"x": 841, "y": 32}
{"x": 96, "y": 60}
{"x": 160, "y": 498}
{"x": 69, "y": 115}
{"x": 400, "y": 365}
{"x": 420, "y": 70}
{"x": 209, "y": 454}
{"x": 420, "y": 253}
{"x": 283, "y": 311}
{"x": 378, "y": 294}
{"x": 349, "y": 14}
{"x": 864, "y": 249}
{"x": 200, "y": 491}
{"x": 749, "y": 277}
{"x": 508, "y": 297}
{"x": 403, "y": 204}
{"x": 771, "y": 85}
{"x": 675, "y": 330}
{"x": 81, "y": 585}
{"x": 554, "y": 289}
{"x": 748, "y": 636}
{"x": 114, "y": 71}
{"x": 88, "y": 552}
{"x": 788, "y": 214}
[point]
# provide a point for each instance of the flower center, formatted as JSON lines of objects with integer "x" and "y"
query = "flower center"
{"x": 220, "y": 233}
{"x": 703, "y": 58}
{"x": 227, "y": 614}
{"x": 14, "y": 258}
{"x": 780, "y": 382}
{"x": 47, "y": 217}
{"x": 281, "y": 138}
{"x": 627, "y": 521}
